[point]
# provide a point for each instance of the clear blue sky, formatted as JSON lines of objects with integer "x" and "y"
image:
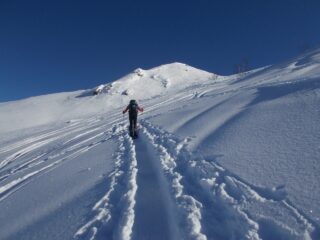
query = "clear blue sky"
{"x": 54, "y": 46}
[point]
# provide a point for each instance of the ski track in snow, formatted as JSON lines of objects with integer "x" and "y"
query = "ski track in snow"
{"x": 34, "y": 144}
{"x": 72, "y": 125}
{"x": 114, "y": 215}
{"x": 189, "y": 207}
{"x": 46, "y": 160}
{"x": 219, "y": 209}
{"x": 114, "y": 212}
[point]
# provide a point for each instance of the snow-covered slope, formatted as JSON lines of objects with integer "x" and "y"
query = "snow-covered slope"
{"x": 218, "y": 157}
{"x": 139, "y": 84}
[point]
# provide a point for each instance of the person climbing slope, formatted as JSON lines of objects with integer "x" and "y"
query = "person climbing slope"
{"x": 133, "y": 109}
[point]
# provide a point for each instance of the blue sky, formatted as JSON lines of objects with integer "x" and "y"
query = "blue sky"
{"x": 55, "y": 46}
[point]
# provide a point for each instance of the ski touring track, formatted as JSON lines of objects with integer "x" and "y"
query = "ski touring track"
{"x": 159, "y": 190}
{"x": 214, "y": 203}
{"x": 113, "y": 214}
{"x": 139, "y": 203}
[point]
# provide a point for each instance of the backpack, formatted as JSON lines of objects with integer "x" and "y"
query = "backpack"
{"x": 133, "y": 106}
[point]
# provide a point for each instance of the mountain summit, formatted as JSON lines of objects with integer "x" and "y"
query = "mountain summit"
{"x": 143, "y": 84}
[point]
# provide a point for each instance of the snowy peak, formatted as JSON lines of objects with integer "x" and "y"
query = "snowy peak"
{"x": 177, "y": 67}
{"x": 143, "y": 84}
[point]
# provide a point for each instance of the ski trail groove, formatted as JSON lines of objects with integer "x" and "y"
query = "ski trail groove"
{"x": 189, "y": 208}
{"x": 154, "y": 208}
{"x": 226, "y": 199}
{"x": 32, "y": 144}
{"x": 15, "y": 184}
{"x": 203, "y": 204}
{"x": 46, "y": 151}
{"x": 114, "y": 212}
{"x": 28, "y": 140}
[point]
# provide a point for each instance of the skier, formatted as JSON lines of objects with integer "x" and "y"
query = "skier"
{"x": 133, "y": 108}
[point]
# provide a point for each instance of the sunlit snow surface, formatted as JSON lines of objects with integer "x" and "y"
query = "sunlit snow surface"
{"x": 218, "y": 157}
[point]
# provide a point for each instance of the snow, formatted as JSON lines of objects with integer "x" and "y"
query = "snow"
{"x": 218, "y": 157}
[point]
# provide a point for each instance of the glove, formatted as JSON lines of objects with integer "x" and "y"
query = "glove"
{"x": 122, "y": 112}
